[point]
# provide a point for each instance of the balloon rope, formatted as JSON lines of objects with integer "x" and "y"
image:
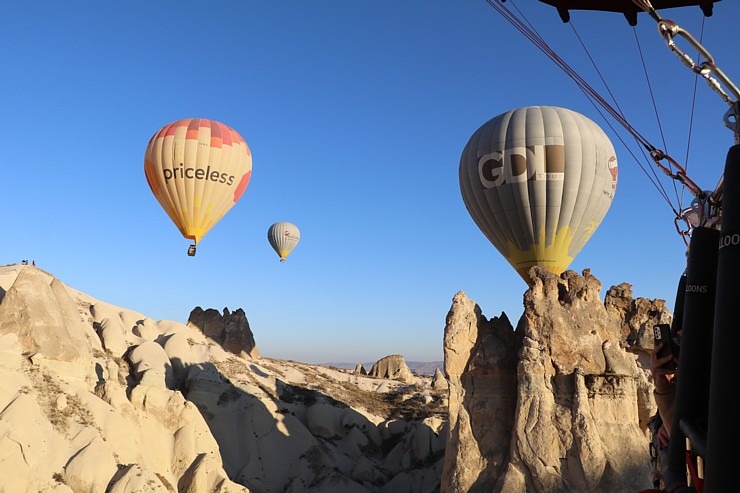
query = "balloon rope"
{"x": 693, "y": 102}
{"x": 524, "y": 26}
{"x": 533, "y": 36}
{"x": 650, "y": 172}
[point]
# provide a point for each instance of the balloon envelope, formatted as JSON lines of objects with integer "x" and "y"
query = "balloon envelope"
{"x": 538, "y": 181}
{"x": 197, "y": 169}
{"x": 283, "y": 238}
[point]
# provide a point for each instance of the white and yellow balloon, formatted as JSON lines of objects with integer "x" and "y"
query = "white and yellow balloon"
{"x": 538, "y": 181}
{"x": 283, "y": 238}
{"x": 197, "y": 169}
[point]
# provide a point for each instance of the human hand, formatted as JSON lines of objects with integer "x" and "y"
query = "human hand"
{"x": 664, "y": 378}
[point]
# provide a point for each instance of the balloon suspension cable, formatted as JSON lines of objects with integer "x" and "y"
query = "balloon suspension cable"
{"x": 524, "y": 27}
{"x": 717, "y": 80}
{"x": 679, "y": 175}
{"x": 706, "y": 204}
{"x": 705, "y": 209}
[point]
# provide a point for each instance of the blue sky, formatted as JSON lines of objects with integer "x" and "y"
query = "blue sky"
{"x": 356, "y": 114}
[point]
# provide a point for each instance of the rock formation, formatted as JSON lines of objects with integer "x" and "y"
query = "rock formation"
{"x": 98, "y": 398}
{"x": 230, "y": 330}
{"x": 360, "y": 369}
{"x": 393, "y": 367}
{"x": 439, "y": 381}
{"x": 95, "y": 397}
{"x": 560, "y": 403}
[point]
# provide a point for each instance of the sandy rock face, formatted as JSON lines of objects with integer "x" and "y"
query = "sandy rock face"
{"x": 481, "y": 367}
{"x": 439, "y": 381}
{"x": 75, "y": 418}
{"x": 94, "y": 397}
{"x": 557, "y": 405}
{"x": 230, "y": 330}
{"x": 45, "y": 318}
{"x": 360, "y": 369}
{"x": 392, "y": 367}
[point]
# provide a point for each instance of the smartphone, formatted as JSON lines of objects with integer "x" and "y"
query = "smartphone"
{"x": 662, "y": 333}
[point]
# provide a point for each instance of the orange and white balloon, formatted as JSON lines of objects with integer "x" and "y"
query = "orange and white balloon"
{"x": 197, "y": 169}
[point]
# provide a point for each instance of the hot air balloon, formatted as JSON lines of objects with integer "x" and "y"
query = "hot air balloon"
{"x": 538, "y": 181}
{"x": 283, "y": 238}
{"x": 197, "y": 169}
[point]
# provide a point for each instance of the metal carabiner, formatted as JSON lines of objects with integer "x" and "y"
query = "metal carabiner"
{"x": 679, "y": 175}
{"x": 715, "y": 77}
{"x": 669, "y": 30}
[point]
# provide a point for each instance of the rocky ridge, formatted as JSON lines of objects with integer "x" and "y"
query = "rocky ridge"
{"x": 94, "y": 397}
{"x": 98, "y": 398}
{"x": 559, "y": 404}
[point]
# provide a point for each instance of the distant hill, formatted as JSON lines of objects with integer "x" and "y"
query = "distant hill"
{"x": 425, "y": 367}
{"x": 418, "y": 367}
